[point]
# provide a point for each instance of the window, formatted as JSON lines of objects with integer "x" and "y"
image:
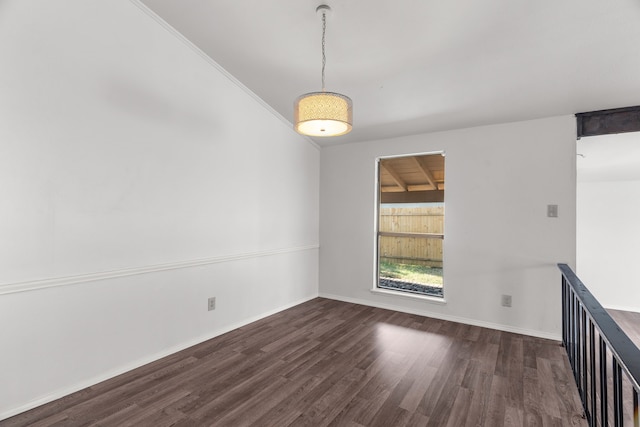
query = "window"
{"x": 410, "y": 230}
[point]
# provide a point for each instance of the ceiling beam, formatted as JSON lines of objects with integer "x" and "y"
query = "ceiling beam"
{"x": 425, "y": 170}
{"x": 605, "y": 122}
{"x": 394, "y": 175}
{"x": 419, "y": 187}
{"x": 425, "y": 187}
{"x": 392, "y": 189}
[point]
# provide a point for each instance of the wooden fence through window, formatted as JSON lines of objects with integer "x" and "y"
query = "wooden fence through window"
{"x": 412, "y": 235}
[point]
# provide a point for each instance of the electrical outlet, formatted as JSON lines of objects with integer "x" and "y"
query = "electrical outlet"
{"x": 212, "y": 303}
{"x": 506, "y": 300}
{"x": 552, "y": 211}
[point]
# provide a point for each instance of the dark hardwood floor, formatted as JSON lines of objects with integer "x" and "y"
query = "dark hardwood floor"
{"x": 330, "y": 363}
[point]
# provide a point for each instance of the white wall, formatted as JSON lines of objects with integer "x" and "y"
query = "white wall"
{"x": 136, "y": 180}
{"x": 498, "y": 239}
{"x": 608, "y": 209}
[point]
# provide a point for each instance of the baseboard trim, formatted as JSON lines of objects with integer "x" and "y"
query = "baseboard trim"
{"x": 11, "y": 288}
{"x": 465, "y": 320}
{"x": 141, "y": 362}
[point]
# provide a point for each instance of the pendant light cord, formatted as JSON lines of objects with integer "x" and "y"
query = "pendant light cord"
{"x": 324, "y": 57}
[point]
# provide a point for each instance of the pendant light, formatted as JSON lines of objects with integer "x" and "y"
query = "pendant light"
{"x": 323, "y": 113}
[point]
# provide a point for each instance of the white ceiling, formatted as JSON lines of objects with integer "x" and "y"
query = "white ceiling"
{"x": 415, "y": 66}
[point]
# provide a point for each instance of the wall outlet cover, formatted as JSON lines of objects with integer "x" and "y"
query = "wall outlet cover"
{"x": 506, "y": 300}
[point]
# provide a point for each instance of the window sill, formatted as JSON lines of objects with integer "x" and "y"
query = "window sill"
{"x": 425, "y": 298}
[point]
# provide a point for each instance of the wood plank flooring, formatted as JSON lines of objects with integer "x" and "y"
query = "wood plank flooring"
{"x": 330, "y": 363}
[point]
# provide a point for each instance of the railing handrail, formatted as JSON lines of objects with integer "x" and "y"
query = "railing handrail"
{"x": 617, "y": 340}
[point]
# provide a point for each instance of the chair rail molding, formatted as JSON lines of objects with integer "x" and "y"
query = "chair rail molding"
{"x": 9, "y": 288}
